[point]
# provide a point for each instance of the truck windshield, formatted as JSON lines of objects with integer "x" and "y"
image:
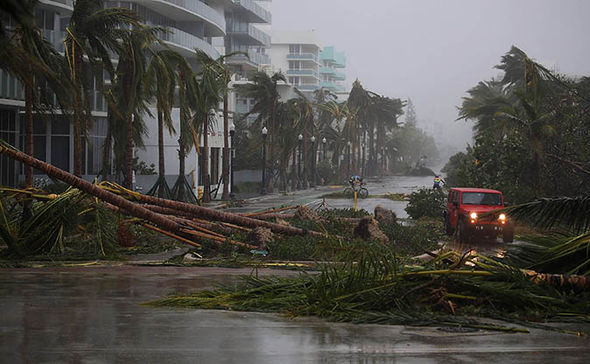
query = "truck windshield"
{"x": 479, "y": 198}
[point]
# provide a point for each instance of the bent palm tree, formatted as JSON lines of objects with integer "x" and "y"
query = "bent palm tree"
{"x": 161, "y": 80}
{"x": 93, "y": 32}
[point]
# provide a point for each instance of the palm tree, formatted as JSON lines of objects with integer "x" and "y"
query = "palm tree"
{"x": 132, "y": 95}
{"x": 37, "y": 65}
{"x": 358, "y": 105}
{"x": 213, "y": 79}
{"x": 263, "y": 90}
{"x": 93, "y": 32}
{"x": 188, "y": 89}
{"x": 305, "y": 112}
{"x": 161, "y": 80}
{"x": 384, "y": 111}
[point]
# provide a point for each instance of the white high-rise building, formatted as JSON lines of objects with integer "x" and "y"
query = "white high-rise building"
{"x": 214, "y": 26}
{"x": 296, "y": 55}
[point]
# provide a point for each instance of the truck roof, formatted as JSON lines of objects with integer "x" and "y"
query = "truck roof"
{"x": 473, "y": 189}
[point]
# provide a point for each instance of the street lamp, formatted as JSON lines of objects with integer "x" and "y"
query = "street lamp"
{"x": 348, "y": 166}
{"x": 232, "y": 151}
{"x": 299, "y": 186}
{"x": 362, "y": 159}
{"x": 324, "y": 143}
{"x": 313, "y": 153}
{"x": 264, "y": 133}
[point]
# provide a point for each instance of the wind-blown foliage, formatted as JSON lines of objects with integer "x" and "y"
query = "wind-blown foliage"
{"x": 376, "y": 287}
{"x": 556, "y": 253}
{"x": 531, "y": 132}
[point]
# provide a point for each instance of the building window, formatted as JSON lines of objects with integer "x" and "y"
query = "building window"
{"x": 295, "y": 48}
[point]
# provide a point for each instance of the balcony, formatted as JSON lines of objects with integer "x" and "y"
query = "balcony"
{"x": 307, "y": 87}
{"x": 327, "y": 71}
{"x": 303, "y": 56}
{"x": 254, "y": 59}
{"x": 185, "y": 43}
{"x": 252, "y": 12}
{"x": 304, "y": 72}
{"x": 332, "y": 86}
{"x": 187, "y": 10}
{"x": 339, "y": 76}
{"x": 62, "y": 4}
{"x": 251, "y": 36}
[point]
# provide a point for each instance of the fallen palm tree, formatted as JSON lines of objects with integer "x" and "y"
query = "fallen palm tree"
{"x": 158, "y": 211}
{"x": 204, "y": 212}
{"x": 451, "y": 290}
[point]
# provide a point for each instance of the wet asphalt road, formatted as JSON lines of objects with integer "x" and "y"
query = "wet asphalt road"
{"x": 93, "y": 315}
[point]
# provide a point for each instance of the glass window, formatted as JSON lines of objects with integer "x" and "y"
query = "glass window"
{"x": 60, "y": 152}
{"x": 60, "y": 127}
{"x": 480, "y": 198}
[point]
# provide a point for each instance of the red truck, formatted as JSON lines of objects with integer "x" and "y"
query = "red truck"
{"x": 469, "y": 214}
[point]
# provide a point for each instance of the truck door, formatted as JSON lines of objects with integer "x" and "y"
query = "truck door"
{"x": 453, "y": 207}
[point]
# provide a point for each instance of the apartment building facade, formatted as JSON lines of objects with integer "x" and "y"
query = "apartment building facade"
{"x": 214, "y": 26}
{"x": 307, "y": 65}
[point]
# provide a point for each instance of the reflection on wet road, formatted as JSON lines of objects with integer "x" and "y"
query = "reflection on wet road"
{"x": 93, "y": 315}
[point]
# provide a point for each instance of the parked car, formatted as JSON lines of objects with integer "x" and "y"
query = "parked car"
{"x": 470, "y": 213}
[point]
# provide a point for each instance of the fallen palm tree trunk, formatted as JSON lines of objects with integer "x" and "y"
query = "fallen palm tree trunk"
{"x": 273, "y": 216}
{"x": 208, "y": 213}
{"x": 173, "y": 236}
{"x": 131, "y": 208}
{"x": 266, "y": 212}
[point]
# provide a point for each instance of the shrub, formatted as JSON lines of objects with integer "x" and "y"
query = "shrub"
{"x": 426, "y": 202}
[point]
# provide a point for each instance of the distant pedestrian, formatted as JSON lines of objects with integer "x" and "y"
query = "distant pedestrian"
{"x": 437, "y": 182}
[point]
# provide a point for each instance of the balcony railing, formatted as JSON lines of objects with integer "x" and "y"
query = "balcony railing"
{"x": 255, "y": 9}
{"x": 253, "y": 57}
{"x": 67, "y": 3}
{"x": 303, "y": 56}
{"x": 303, "y": 72}
{"x": 339, "y": 76}
{"x": 307, "y": 87}
{"x": 201, "y": 9}
{"x": 327, "y": 70}
{"x": 189, "y": 42}
{"x": 260, "y": 37}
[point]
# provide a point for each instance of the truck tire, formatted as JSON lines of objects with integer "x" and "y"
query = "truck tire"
{"x": 463, "y": 234}
{"x": 448, "y": 228}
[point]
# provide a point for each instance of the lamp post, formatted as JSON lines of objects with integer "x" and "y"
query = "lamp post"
{"x": 324, "y": 143}
{"x": 348, "y": 164}
{"x": 313, "y": 153}
{"x": 232, "y": 152}
{"x": 362, "y": 159}
{"x": 299, "y": 186}
{"x": 264, "y": 133}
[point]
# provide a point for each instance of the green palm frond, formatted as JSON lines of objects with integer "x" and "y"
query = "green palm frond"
{"x": 570, "y": 212}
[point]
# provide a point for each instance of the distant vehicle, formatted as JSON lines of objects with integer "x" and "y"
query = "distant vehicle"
{"x": 463, "y": 215}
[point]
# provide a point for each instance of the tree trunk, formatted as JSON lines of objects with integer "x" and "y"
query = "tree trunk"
{"x": 78, "y": 110}
{"x": 161, "y": 159}
{"x": 131, "y": 208}
{"x": 29, "y": 145}
{"x": 129, "y": 155}
{"x": 205, "y": 167}
{"x": 106, "y": 152}
{"x": 294, "y": 170}
{"x": 305, "y": 181}
{"x": 225, "y": 173}
{"x": 181, "y": 169}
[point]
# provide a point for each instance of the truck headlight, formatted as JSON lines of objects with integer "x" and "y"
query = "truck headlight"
{"x": 502, "y": 218}
{"x": 473, "y": 217}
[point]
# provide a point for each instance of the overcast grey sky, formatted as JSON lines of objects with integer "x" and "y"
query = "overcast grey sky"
{"x": 433, "y": 50}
